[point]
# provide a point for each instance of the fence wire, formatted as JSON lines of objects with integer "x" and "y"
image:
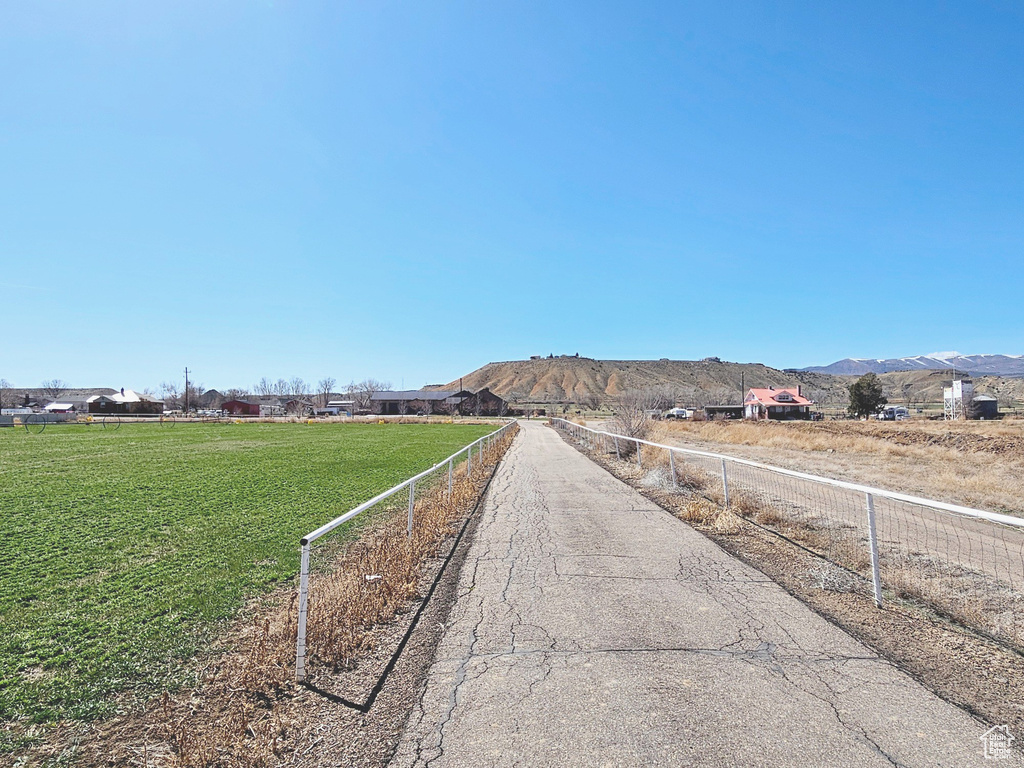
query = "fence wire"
{"x": 965, "y": 563}
{"x": 336, "y": 604}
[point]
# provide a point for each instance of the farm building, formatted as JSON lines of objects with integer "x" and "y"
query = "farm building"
{"x": 56, "y": 407}
{"x": 125, "y": 402}
{"x": 787, "y": 404}
{"x": 299, "y": 406}
{"x": 726, "y": 412}
{"x": 483, "y": 403}
{"x": 240, "y": 408}
{"x": 984, "y": 407}
{"x": 417, "y": 401}
{"x": 429, "y": 401}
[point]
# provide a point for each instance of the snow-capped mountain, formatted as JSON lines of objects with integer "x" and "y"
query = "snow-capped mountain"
{"x": 989, "y": 365}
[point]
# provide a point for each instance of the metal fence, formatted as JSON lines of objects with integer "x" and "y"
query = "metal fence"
{"x": 966, "y": 563}
{"x": 472, "y": 454}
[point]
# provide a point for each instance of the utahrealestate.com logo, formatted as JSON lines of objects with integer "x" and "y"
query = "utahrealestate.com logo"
{"x": 997, "y": 741}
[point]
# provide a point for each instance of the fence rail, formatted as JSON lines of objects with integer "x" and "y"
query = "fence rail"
{"x": 306, "y": 542}
{"x": 966, "y": 562}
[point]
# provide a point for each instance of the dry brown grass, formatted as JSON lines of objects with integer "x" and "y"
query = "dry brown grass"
{"x": 344, "y": 603}
{"x": 965, "y": 597}
{"x": 238, "y": 714}
{"x": 979, "y": 464}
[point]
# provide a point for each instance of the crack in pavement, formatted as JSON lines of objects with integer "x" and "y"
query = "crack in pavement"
{"x": 582, "y": 636}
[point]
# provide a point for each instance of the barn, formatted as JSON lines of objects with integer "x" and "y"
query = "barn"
{"x": 240, "y": 408}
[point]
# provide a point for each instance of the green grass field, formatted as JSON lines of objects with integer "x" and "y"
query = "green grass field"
{"x": 123, "y": 552}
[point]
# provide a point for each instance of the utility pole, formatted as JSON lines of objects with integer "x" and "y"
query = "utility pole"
{"x": 186, "y": 392}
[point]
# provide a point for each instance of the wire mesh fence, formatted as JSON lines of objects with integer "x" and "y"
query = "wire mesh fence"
{"x": 964, "y": 563}
{"x": 339, "y": 599}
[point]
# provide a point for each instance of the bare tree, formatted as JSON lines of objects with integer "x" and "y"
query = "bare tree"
{"x": 633, "y": 409}
{"x": 264, "y": 387}
{"x": 235, "y": 394}
{"x": 297, "y": 386}
{"x": 281, "y": 387}
{"x": 297, "y": 407}
{"x": 171, "y": 392}
{"x": 721, "y": 395}
{"x": 54, "y": 388}
{"x": 193, "y": 394}
{"x": 591, "y": 401}
{"x": 516, "y": 396}
{"x": 325, "y": 386}
{"x": 1004, "y": 399}
{"x": 685, "y": 394}
{"x": 366, "y": 389}
{"x": 4, "y": 386}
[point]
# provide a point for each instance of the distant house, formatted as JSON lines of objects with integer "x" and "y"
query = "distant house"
{"x": 240, "y": 408}
{"x": 125, "y": 402}
{"x": 786, "y": 404}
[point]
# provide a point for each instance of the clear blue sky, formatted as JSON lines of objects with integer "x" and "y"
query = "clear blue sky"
{"x": 408, "y": 191}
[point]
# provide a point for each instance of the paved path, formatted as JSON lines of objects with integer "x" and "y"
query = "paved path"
{"x": 593, "y": 629}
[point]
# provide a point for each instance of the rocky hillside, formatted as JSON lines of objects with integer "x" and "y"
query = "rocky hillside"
{"x": 700, "y": 382}
{"x": 571, "y": 379}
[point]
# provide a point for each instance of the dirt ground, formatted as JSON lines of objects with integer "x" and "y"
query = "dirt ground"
{"x": 981, "y": 676}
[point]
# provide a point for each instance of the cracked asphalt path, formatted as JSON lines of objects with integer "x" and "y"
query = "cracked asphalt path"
{"x": 591, "y": 628}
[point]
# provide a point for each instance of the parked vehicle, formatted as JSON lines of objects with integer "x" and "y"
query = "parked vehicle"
{"x": 893, "y": 413}
{"x": 678, "y": 413}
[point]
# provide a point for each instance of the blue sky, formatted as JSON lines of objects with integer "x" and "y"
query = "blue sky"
{"x": 408, "y": 191}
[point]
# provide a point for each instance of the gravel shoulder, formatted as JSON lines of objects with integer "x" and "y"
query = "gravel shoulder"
{"x": 964, "y": 668}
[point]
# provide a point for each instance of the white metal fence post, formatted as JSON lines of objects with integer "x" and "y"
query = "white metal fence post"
{"x": 412, "y": 504}
{"x": 672, "y": 469}
{"x": 639, "y": 461}
{"x": 300, "y": 638}
{"x": 450, "y": 479}
{"x": 469, "y": 462}
{"x": 876, "y": 576}
{"x": 725, "y": 485}
{"x": 618, "y": 456}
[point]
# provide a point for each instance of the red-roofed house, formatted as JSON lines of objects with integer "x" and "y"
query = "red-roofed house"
{"x": 776, "y": 404}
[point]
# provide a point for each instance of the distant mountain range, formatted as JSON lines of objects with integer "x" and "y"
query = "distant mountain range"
{"x": 988, "y": 365}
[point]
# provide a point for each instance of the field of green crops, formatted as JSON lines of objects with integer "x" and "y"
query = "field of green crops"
{"x": 122, "y": 552}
